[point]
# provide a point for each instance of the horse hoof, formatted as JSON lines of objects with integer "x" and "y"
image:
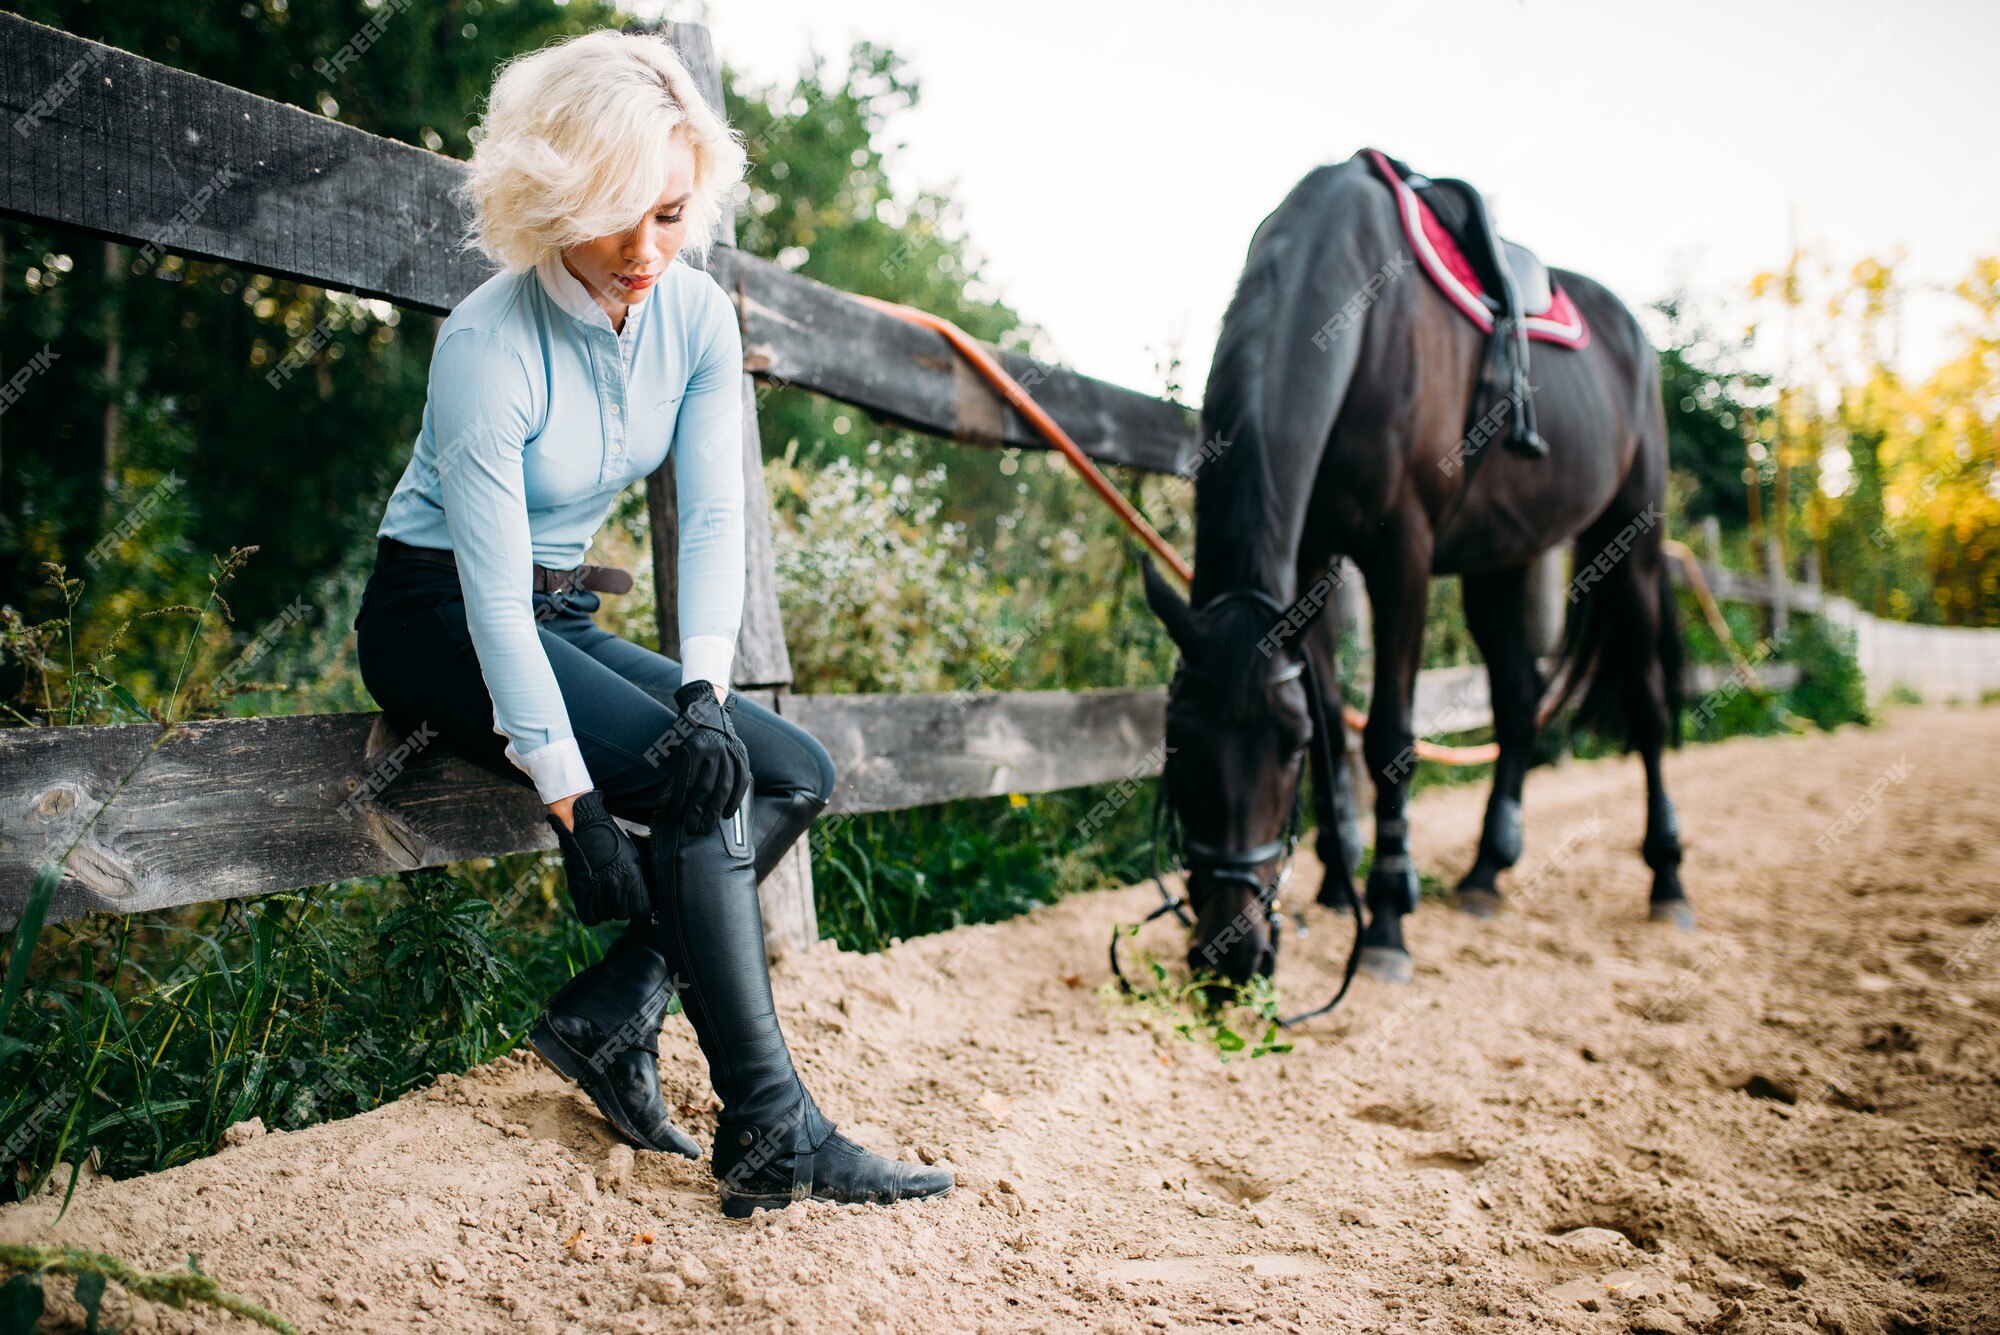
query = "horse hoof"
{"x": 1388, "y": 964}
{"x": 1478, "y": 903}
{"x": 1676, "y": 911}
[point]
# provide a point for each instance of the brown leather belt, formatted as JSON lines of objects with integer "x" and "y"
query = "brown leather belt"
{"x": 598, "y": 579}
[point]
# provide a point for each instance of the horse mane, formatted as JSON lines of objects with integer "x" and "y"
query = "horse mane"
{"x": 1234, "y": 474}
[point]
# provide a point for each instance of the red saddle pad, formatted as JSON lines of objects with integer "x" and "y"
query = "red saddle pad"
{"x": 1440, "y": 258}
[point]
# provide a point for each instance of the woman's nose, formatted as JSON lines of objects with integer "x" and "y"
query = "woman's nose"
{"x": 645, "y": 245}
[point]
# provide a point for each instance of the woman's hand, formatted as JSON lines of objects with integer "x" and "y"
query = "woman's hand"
{"x": 600, "y": 863}
{"x": 708, "y": 767}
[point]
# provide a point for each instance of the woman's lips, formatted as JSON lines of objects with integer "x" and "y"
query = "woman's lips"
{"x": 635, "y": 284}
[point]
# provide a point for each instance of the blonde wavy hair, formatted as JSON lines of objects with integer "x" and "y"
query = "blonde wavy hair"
{"x": 569, "y": 147}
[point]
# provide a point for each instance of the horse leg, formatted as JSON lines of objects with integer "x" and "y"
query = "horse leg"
{"x": 1641, "y": 659}
{"x": 1398, "y": 578}
{"x": 1651, "y": 704}
{"x": 1496, "y": 611}
{"x": 1338, "y": 841}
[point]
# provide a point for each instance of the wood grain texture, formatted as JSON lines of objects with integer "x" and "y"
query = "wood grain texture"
{"x": 121, "y": 147}
{"x": 226, "y": 808}
{"x": 898, "y": 751}
{"x": 801, "y": 332}
{"x": 234, "y": 807}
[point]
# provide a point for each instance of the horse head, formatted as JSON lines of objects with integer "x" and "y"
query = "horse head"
{"x": 1239, "y": 720}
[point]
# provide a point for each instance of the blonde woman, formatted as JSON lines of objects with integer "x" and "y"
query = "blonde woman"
{"x": 588, "y": 360}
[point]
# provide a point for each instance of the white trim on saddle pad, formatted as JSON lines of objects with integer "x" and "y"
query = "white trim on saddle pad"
{"x": 1563, "y": 325}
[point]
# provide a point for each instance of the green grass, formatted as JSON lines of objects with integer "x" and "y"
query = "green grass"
{"x": 893, "y": 875}
{"x": 138, "y": 1040}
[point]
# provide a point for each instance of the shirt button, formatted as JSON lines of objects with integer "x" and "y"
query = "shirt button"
{"x": 614, "y": 410}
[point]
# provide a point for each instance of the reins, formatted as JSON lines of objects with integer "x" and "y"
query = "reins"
{"x": 1241, "y": 864}
{"x": 1018, "y": 398}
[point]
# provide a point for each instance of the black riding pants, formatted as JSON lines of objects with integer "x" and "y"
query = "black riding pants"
{"x": 418, "y": 661}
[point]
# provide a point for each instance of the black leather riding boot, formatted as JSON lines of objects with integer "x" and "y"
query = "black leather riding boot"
{"x": 602, "y": 1030}
{"x": 780, "y": 819}
{"x": 773, "y": 1146}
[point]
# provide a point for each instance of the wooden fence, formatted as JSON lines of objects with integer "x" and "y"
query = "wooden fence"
{"x": 119, "y": 147}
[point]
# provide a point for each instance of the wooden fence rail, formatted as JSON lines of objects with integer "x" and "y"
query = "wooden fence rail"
{"x": 227, "y": 808}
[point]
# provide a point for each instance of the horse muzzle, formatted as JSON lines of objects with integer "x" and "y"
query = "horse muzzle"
{"x": 1233, "y": 937}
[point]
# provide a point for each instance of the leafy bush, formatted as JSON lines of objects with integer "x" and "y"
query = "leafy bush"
{"x": 1831, "y": 690}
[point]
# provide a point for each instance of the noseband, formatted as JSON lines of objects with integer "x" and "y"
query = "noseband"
{"x": 1240, "y": 865}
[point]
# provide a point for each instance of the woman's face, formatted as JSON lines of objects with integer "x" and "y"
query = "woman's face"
{"x": 621, "y": 269}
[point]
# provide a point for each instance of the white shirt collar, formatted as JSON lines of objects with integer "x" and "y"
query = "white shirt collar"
{"x": 564, "y": 289}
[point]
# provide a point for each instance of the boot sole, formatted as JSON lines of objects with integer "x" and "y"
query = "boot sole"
{"x": 574, "y": 1067}
{"x": 741, "y": 1205}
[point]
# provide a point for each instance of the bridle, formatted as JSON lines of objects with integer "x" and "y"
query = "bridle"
{"x": 1241, "y": 864}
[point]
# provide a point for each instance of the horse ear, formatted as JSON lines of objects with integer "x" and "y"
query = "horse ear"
{"x": 1167, "y": 604}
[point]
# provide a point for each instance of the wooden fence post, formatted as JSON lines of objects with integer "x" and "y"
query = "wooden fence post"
{"x": 762, "y": 661}
{"x": 1548, "y": 588}
{"x": 1778, "y": 584}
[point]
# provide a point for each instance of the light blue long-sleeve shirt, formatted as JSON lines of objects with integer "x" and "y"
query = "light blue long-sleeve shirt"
{"x": 537, "y": 416}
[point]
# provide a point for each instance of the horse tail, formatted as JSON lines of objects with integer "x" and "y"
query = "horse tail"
{"x": 1622, "y": 626}
{"x": 1673, "y": 655}
{"x": 1586, "y": 644}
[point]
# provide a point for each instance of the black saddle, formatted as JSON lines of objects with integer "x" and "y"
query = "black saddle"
{"x": 1516, "y": 286}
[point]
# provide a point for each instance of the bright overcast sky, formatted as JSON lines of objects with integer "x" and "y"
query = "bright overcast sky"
{"x": 1114, "y": 156}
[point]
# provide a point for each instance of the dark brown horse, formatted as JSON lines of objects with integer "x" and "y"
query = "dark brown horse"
{"x": 1356, "y": 444}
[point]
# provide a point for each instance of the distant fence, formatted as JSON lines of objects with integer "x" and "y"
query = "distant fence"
{"x": 1943, "y": 664}
{"x": 107, "y": 143}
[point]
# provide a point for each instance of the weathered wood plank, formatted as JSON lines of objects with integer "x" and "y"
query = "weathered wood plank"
{"x": 124, "y": 148}
{"x": 1728, "y": 586}
{"x": 800, "y": 332}
{"x": 898, "y": 751}
{"x": 235, "y": 807}
{"x": 110, "y": 143}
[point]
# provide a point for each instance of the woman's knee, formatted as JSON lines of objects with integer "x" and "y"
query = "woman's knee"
{"x": 803, "y": 766}
{"x": 824, "y": 775}
{"x": 784, "y": 757}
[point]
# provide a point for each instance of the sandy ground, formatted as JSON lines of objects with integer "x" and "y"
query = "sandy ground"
{"x": 1574, "y": 1120}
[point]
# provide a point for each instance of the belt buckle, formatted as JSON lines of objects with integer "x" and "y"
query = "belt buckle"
{"x": 559, "y": 590}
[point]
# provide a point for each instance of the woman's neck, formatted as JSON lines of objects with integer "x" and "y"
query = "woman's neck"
{"x": 614, "y": 310}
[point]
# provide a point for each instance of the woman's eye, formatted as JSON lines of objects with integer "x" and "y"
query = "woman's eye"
{"x": 671, "y": 219}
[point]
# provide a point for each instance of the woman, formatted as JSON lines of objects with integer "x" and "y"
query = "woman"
{"x": 572, "y": 373}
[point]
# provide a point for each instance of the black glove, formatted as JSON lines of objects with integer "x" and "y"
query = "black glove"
{"x": 708, "y": 767}
{"x": 600, "y": 864}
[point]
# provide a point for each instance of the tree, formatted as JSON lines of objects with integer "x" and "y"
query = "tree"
{"x": 1703, "y": 386}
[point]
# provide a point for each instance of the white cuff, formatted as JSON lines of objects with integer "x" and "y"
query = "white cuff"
{"x": 707, "y": 658}
{"x": 557, "y": 769}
